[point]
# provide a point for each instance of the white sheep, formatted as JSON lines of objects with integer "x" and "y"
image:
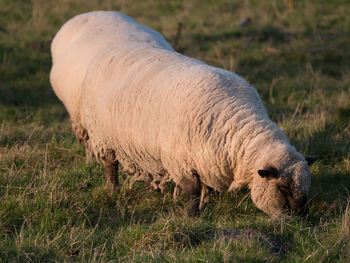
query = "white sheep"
{"x": 77, "y": 43}
{"x": 168, "y": 117}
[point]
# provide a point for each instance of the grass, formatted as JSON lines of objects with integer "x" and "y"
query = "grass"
{"x": 55, "y": 208}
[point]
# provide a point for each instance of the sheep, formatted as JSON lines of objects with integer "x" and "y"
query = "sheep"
{"x": 72, "y": 52}
{"x": 167, "y": 117}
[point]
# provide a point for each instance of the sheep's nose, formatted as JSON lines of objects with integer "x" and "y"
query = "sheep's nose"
{"x": 299, "y": 206}
{"x": 303, "y": 211}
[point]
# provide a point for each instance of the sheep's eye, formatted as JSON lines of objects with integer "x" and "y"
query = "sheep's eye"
{"x": 285, "y": 190}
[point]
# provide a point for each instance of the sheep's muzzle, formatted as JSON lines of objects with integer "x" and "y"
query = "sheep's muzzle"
{"x": 298, "y": 206}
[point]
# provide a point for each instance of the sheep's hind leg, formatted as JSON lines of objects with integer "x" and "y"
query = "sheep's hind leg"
{"x": 111, "y": 173}
{"x": 110, "y": 163}
{"x": 83, "y": 138}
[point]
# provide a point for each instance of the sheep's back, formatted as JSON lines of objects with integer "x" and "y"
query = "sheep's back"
{"x": 81, "y": 39}
{"x": 107, "y": 21}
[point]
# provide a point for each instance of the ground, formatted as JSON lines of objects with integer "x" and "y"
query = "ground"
{"x": 56, "y": 208}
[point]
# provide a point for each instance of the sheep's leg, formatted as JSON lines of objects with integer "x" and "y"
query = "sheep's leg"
{"x": 204, "y": 199}
{"x": 89, "y": 154}
{"x": 110, "y": 164}
{"x": 176, "y": 192}
{"x": 83, "y": 137}
{"x": 192, "y": 189}
{"x": 80, "y": 133}
{"x": 111, "y": 173}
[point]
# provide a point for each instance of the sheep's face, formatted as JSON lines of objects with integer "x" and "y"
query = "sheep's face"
{"x": 281, "y": 192}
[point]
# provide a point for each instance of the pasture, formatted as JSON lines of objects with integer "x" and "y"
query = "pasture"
{"x": 56, "y": 208}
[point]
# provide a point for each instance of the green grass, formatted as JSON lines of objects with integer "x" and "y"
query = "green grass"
{"x": 55, "y": 208}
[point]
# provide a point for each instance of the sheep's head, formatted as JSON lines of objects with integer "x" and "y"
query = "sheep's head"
{"x": 280, "y": 192}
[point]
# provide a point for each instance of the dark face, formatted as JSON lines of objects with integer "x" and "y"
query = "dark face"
{"x": 295, "y": 203}
{"x": 276, "y": 193}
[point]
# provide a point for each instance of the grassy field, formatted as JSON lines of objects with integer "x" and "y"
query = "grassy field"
{"x": 55, "y": 208}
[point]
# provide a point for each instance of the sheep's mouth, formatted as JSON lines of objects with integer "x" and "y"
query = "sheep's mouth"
{"x": 297, "y": 206}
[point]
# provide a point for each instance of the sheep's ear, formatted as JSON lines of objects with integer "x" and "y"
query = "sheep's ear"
{"x": 269, "y": 172}
{"x": 311, "y": 160}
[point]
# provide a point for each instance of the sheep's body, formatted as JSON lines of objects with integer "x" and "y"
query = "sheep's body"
{"x": 165, "y": 113}
{"x": 165, "y": 116}
{"x": 78, "y": 42}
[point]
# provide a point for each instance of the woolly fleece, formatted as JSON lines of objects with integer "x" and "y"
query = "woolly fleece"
{"x": 168, "y": 117}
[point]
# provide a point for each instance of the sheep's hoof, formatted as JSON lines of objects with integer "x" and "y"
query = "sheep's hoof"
{"x": 112, "y": 187}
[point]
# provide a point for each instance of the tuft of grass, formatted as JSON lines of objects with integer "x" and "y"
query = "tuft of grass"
{"x": 55, "y": 208}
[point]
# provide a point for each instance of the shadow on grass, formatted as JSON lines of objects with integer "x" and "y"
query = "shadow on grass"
{"x": 330, "y": 193}
{"x": 330, "y": 189}
{"x": 329, "y": 57}
{"x": 330, "y": 145}
{"x": 267, "y": 32}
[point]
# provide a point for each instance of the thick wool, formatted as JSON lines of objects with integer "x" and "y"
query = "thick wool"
{"x": 78, "y": 42}
{"x": 168, "y": 117}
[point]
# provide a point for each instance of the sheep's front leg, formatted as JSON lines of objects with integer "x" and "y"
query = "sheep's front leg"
{"x": 111, "y": 173}
{"x": 192, "y": 189}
